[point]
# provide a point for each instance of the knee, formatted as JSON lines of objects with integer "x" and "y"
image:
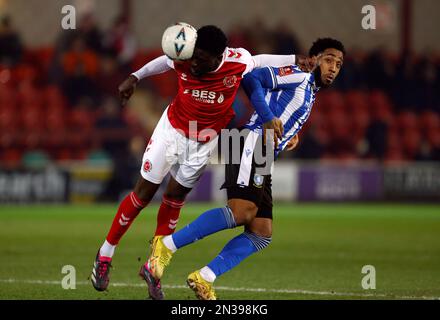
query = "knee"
{"x": 141, "y": 193}
{"x": 265, "y": 232}
{"x": 175, "y": 195}
{"x": 260, "y": 242}
{"x": 243, "y": 213}
{"x": 145, "y": 190}
{"x": 175, "y": 191}
{"x": 261, "y": 228}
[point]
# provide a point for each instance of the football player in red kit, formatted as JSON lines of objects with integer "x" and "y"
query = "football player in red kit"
{"x": 183, "y": 139}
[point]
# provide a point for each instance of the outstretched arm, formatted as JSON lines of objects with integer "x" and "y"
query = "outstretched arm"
{"x": 274, "y": 60}
{"x": 156, "y": 66}
{"x": 305, "y": 63}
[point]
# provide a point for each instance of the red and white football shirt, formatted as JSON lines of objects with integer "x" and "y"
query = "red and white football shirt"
{"x": 208, "y": 99}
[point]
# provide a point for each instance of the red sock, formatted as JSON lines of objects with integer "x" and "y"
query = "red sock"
{"x": 168, "y": 216}
{"x": 127, "y": 212}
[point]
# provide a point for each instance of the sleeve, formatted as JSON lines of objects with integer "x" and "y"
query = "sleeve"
{"x": 273, "y": 60}
{"x": 254, "y": 84}
{"x": 156, "y": 66}
{"x": 288, "y": 77}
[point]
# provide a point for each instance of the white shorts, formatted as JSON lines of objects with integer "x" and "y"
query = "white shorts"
{"x": 171, "y": 151}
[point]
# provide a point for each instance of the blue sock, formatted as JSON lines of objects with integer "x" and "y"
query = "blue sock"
{"x": 236, "y": 250}
{"x": 207, "y": 223}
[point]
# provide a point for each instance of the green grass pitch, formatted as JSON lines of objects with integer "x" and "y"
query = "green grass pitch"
{"x": 317, "y": 252}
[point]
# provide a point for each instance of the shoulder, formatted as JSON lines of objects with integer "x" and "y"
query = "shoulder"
{"x": 290, "y": 75}
{"x": 238, "y": 55}
{"x": 241, "y": 57}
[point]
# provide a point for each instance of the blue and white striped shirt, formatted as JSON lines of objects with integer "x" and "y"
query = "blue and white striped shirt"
{"x": 286, "y": 93}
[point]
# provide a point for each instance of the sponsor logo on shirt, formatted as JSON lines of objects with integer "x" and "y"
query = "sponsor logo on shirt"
{"x": 285, "y": 71}
{"x": 205, "y": 96}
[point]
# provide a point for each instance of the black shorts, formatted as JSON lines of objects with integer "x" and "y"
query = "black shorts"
{"x": 250, "y": 179}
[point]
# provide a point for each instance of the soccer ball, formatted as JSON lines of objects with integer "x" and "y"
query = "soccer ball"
{"x": 179, "y": 40}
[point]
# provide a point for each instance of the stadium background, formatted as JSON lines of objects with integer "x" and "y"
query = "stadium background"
{"x": 67, "y": 146}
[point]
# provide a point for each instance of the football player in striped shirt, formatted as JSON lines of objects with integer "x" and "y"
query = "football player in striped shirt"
{"x": 286, "y": 94}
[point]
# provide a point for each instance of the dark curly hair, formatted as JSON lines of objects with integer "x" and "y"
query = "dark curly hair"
{"x": 325, "y": 43}
{"x": 211, "y": 39}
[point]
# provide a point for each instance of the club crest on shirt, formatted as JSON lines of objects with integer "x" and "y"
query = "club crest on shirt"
{"x": 230, "y": 81}
{"x": 258, "y": 180}
{"x": 284, "y": 71}
{"x": 148, "y": 166}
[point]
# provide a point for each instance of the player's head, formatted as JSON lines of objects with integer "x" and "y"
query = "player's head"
{"x": 208, "y": 52}
{"x": 331, "y": 54}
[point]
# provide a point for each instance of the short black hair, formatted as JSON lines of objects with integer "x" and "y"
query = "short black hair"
{"x": 211, "y": 39}
{"x": 325, "y": 43}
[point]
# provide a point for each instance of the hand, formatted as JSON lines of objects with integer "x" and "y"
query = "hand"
{"x": 292, "y": 143}
{"x": 275, "y": 126}
{"x": 307, "y": 64}
{"x": 126, "y": 89}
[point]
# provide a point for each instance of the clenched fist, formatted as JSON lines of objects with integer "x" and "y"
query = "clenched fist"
{"x": 275, "y": 126}
{"x": 292, "y": 143}
{"x": 126, "y": 89}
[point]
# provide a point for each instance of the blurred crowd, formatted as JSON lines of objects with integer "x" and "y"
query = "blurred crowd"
{"x": 60, "y": 103}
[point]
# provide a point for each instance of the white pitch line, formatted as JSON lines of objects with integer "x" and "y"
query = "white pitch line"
{"x": 241, "y": 289}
